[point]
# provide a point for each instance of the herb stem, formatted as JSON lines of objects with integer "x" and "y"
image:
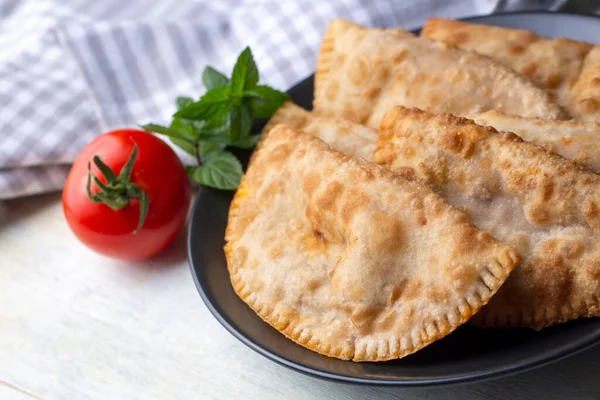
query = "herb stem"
{"x": 197, "y": 153}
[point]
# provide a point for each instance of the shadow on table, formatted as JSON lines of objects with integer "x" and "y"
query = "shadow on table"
{"x": 573, "y": 378}
{"x": 16, "y": 210}
{"x": 25, "y": 207}
{"x": 171, "y": 256}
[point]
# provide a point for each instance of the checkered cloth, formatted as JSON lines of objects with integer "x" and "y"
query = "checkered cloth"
{"x": 70, "y": 70}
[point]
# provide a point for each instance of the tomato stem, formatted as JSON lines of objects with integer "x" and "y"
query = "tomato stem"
{"x": 118, "y": 189}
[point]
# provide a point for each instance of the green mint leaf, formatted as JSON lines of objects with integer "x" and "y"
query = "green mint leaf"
{"x": 214, "y": 130}
{"x": 207, "y": 149}
{"x": 210, "y": 132}
{"x": 211, "y": 78}
{"x": 245, "y": 73}
{"x": 185, "y": 145}
{"x": 212, "y": 105}
{"x": 217, "y": 139}
{"x": 207, "y": 132}
{"x": 188, "y": 126}
{"x": 247, "y": 142}
{"x": 198, "y": 129}
{"x": 183, "y": 101}
{"x": 168, "y": 131}
{"x": 179, "y": 133}
{"x": 221, "y": 171}
{"x": 264, "y": 100}
{"x": 204, "y": 148}
{"x": 223, "y": 116}
{"x": 239, "y": 122}
{"x": 216, "y": 127}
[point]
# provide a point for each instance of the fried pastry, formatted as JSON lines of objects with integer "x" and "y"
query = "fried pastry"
{"x": 531, "y": 199}
{"x": 569, "y": 70}
{"x": 362, "y": 73}
{"x": 350, "y": 260}
{"x": 349, "y": 138}
{"x": 576, "y": 140}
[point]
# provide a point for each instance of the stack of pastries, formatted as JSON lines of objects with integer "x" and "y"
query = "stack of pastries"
{"x": 439, "y": 179}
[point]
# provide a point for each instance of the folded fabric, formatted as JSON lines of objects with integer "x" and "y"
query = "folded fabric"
{"x": 71, "y": 70}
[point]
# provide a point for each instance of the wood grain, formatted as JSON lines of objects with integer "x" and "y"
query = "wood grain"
{"x": 75, "y": 325}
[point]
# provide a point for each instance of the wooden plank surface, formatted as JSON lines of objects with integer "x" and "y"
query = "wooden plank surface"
{"x": 75, "y": 325}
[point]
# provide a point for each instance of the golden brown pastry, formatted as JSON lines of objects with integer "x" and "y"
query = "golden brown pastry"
{"x": 584, "y": 95}
{"x": 531, "y": 199}
{"x": 569, "y": 70}
{"x": 349, "y": 138}
{"x": 348, "y": 259}
{"x": 362, "y": 73}
{"x": 576, "y": 140}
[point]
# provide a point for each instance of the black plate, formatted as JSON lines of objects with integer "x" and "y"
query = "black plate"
{"x": 468, "y": 354}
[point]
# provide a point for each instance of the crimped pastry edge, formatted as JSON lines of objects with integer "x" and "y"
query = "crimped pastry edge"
{"x": 430, "y": 330}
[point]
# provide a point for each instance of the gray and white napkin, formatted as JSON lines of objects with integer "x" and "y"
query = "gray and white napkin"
{"x": 72, "y": 70}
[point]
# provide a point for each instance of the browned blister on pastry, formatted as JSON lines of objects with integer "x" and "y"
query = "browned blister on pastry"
{"x": 576, "y": 140}
{"x": 342, "y": 135}
{"x": 350, "y": 260}
{"x": 362, "y": 73}
{"x": 568, "y": 70}
{"x": 544, "y": 206}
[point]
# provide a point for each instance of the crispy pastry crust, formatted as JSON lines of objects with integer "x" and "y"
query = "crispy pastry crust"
{"x": 576, "y": 140}
{"x": 362, "y": 73}
{"x": 567, "y": 69}
{"x": 349, "y": 138}
{"x": 350, "y": 260}
{"x": 543, "y": 205}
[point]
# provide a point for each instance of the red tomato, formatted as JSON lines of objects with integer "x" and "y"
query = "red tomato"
{"x": 157, "y": 171}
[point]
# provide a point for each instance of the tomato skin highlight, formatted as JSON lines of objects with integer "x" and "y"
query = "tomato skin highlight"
{"x": 157, "y": 170}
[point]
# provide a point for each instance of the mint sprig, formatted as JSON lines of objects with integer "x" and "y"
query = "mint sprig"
{"x": 221, "y": 170}
{"x": 264, "y": 100}
{"x": 245, "y": 73}
{"x": 214, "y": 103}
{"x": 221, "y": 118}
{"x": 211, "y": 78}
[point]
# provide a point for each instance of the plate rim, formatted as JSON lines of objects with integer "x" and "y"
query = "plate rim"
{"x": 543, "y": 359}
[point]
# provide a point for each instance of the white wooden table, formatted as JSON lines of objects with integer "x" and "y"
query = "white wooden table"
{"x": 75, "y": 325}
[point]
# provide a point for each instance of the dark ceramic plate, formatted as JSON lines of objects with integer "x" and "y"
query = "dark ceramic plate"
{"x": 468, "y": 354}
